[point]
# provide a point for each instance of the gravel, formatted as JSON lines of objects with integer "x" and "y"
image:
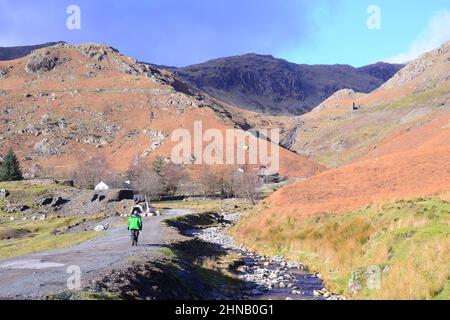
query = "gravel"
{"x": 267, "y": 277}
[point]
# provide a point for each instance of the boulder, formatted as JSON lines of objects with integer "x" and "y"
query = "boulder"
{"x": 3, "y": 72}
{"x": 4, "y": 193}
{"x": 99, "y": 228}
{"x": 24, "y": 208}
{"x": 59, "y": 201}
{"x": 46, "y": 202}
{"x": 102, "y": 227}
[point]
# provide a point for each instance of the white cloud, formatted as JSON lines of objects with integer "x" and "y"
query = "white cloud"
{"x": 436, "y": 33}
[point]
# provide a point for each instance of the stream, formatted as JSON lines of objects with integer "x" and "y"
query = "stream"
{"x": 268, "y": 278}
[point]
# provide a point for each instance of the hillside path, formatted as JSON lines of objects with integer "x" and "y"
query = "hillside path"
{"x": 33, "y": 275}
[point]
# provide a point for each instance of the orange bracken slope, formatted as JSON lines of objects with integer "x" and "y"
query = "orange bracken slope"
{"x": 413, "y": 161}
{"x": 96, "y": 102}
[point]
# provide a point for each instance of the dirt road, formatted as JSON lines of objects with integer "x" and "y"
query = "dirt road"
{"x": 34, "y": 275}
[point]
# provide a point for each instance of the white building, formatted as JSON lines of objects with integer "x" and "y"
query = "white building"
{"x": 101, "y": 186}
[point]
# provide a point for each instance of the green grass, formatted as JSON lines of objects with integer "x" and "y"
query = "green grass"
{"x": 168, "y": 252}
{"x": 35, "y": 235}
{"x": 85, "y": 295}
{"x": 358, "y": 139}
{"x": 26, "y": 193}
{"x": 407, "y": 239}
{"x": 40, "y": 238}
{"x": 419, "y": 99}
{"x": 269, "y": 190}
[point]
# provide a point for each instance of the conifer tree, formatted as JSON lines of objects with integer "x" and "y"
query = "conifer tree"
{"x": 10, "y": 168}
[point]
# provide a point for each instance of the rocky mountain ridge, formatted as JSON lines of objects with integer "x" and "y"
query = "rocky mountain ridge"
{"x": 273, "y": 86}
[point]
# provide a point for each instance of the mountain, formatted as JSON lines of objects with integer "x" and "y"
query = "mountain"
{"x": 11, "y": 53}
{"x": 273, "y": 86}
{"x": 65, "y": 104}
{"x": 263, "y": 83}
{"x": 384, "y": 201}
{"x": 348, "y": 124}
{"x": 381, "y": 70}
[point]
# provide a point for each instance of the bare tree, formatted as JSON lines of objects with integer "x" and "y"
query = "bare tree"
{"x": 150, "y": 184}
{"x": 217, "y": 182}
{"x": 246, "y": 184}
{"x": 173, "y": 176}
{"x": 90, "y": 172}
{"x": 146, "y": 181}
{"x": 211, "y": 183}
{"x": 114, "y": 180}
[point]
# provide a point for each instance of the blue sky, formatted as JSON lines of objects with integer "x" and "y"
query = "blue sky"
{"x": 183, "y": 32}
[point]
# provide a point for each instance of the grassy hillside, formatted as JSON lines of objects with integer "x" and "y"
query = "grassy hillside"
{"x": 20, "y": 237}
{"x": 407, "y": 240}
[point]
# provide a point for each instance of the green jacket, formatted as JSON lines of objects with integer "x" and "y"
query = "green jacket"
{"x": 135, "y": 223}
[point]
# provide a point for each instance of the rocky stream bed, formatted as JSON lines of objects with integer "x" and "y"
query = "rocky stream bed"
{"x": 267, "y": 277}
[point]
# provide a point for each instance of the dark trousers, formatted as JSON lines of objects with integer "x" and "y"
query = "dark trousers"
{"x": 134, "y": 237}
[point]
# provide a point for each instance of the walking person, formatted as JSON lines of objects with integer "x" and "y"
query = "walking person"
{"x": 135, "y": 224}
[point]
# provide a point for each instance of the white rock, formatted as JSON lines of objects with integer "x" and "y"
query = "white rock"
{"x": 99, "y": 228}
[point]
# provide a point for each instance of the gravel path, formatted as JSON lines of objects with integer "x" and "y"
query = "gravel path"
{"x": 34, "y": 275}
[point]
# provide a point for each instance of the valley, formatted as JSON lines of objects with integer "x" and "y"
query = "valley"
{"x": 357, "y": 207}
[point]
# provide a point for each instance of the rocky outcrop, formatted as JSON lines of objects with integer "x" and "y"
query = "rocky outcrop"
{"x": 47, "y": 147}
{"x": 3, "y": 72}
{"x": 42, "y": 61}
{"x": 290, "y": 137}
{"x": 97, "y": 52}
{"x": 417, "y": 68}
{"x": 127, "y": 65}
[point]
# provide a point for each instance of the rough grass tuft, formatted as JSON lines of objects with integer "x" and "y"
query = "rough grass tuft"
{"x": 409, "y": 240}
